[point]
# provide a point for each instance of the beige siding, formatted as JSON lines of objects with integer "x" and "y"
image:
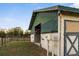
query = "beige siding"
{"x": 72, "y": 26}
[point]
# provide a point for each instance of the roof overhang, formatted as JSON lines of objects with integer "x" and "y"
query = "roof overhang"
{"x": 54, "y": 8}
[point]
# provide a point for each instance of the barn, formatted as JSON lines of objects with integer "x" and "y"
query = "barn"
{"x": 56, "y": 29}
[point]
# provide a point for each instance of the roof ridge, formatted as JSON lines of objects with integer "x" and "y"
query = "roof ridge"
{"x": 59, "y": 7}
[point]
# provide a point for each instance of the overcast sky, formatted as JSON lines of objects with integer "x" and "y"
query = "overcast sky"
{"x": 19, "y": 15}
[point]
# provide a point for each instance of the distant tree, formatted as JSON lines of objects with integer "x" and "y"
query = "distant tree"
{"x": 15, "y": 32}
{"x": 27, "y": 33}
{"x": 2, "y": 36}
{"x": 18, "y": 32}
{"x": 10, "y": 33}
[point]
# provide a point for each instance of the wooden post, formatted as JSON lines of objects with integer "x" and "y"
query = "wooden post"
{"x": 5, "y": 41}
{"x": 2, "y": 41}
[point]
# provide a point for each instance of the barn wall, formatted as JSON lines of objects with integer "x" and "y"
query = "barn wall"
{"x": 32, "y": 37}
{"x": 44, "y": 18}
{"x": 50, "y": 26}
{"x": 49, "y": 41}
{"x": 65, "y": 17}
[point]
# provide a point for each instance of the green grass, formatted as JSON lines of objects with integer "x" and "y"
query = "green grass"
{"x": 21, "y": 48}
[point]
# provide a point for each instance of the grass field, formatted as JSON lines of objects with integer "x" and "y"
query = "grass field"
{"x": 21, "y": 48}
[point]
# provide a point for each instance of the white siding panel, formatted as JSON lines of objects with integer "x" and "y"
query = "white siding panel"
{"x": 49, "y": 41}
{"x": 32, "y": 37}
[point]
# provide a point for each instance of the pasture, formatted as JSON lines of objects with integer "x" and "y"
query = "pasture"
{"x": 21, "y": 48}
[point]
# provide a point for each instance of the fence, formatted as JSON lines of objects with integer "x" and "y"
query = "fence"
{"x": 4, "y": 41}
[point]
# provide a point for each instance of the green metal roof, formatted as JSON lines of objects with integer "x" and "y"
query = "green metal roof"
{"x": 58, "y": 7}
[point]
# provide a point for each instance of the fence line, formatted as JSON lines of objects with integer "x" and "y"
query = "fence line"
{"x": 4, "y": 41}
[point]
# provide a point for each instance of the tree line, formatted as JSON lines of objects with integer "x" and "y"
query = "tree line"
{"x": 14, "y": 33}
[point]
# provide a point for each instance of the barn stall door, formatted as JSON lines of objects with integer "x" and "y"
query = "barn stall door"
{"x": 38, "y": 33}
{"x": 71, "y": 38}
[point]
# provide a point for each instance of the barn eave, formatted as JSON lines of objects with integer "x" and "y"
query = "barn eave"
{"x": 54, "y": 8}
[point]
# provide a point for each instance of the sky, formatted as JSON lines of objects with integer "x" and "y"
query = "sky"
{"x": 19, "y": 14}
